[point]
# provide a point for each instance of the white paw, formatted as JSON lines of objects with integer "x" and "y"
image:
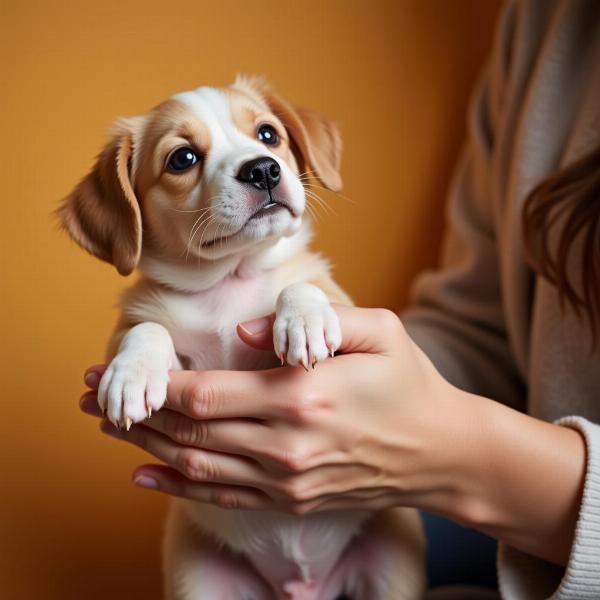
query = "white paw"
{"x": 135, "y": 382}
{"x": 306, "y": 329}
{"x": 132, "y": 387}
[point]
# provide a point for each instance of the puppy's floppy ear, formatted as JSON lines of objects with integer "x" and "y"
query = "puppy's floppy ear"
{"x": 315, "y": 138}
{"x": 102, "y": 213}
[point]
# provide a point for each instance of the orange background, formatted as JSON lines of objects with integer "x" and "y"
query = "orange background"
{"x": 395, "y": 74}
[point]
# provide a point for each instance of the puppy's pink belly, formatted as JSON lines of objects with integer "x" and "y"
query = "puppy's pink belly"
{"x": 286, "y": 550}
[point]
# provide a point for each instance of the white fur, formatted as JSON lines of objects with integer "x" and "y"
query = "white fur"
{"x": 135, "y": 382}
{"x": 306, "y": 329}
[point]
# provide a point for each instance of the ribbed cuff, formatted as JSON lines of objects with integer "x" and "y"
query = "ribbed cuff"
{"x": 524, "y": 577}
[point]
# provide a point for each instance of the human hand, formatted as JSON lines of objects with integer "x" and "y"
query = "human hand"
{"x": 376, "y": 426}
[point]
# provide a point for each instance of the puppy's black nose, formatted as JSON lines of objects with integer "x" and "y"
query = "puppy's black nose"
{"x": 263, "y": 173}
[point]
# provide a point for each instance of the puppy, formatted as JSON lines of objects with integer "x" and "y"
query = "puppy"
{"x": 205, "y": 196}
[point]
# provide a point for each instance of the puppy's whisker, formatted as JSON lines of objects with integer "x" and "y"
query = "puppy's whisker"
{"x": 320, "y": 202}
{"x": 211, "y": 220}
{"x": 338, "y": 194}
{"x": 205, "y": 229}
{"x": 208, "y": 208}
{"x": 219, "y": 236}
{"x": 311, "y": 211}
{"x": 204, "y": 224}
{"x": 198, "y": 220}
{"x": 190, "y": 211}
{"x": 197, "y": 224}
{"x": 319, "y": 198}
{"x": 308, "y": 178}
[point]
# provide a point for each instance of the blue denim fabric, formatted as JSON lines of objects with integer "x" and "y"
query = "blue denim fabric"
{"x": 457, "y": 555}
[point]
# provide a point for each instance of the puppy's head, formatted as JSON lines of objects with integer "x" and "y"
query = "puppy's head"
{"x": 205, "y": 174}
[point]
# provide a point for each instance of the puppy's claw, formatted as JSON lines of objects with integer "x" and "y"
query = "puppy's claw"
{"x": 304, "y": 363}
{"x": 313, "y": 363}
{"x": 128, "y": 423}
{"x": 331, "y": 350}
{"x": 149, "y": 411}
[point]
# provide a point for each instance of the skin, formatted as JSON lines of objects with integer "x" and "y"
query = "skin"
{"x": 375, "y": 427}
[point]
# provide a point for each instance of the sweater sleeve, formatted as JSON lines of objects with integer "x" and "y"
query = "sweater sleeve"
{"x": 456, "y": 317}
{"x": 456, "y": 314}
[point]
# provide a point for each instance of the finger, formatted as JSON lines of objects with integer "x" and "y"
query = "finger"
{"x": 368, "y": 330}
{"x": 230, "y": 394}
{"x": 88, "y": 404}
{"x": 169, "y": 481}
{"x": 258, "y": 332}
{"x": 234, "y": 436}
{"x": 195, "y": 464}
{"x": 93, "y": 375}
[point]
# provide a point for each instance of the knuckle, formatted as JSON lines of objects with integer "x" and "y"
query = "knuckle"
{"x": 185, "y": 431}
{"x": 195, "y": 466}
{"x": 294, "y": 458}
{"x": 388, "y": 320}
{"x": 202, "y": 400}
{"x": 294, "y": 490}
{"x": 179, "y": 427}
{"x": 304, "y": 405}
{"x": 226, "y": 499}
{"x": 298, "y": 508}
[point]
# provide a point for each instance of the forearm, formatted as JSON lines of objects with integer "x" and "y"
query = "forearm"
{"x": 522, "y": 479}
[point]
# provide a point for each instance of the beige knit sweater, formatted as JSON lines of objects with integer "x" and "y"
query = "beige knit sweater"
{"x": 489, "y": 324}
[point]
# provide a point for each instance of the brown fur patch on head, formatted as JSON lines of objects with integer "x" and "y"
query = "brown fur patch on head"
{"x": 171, "y": 125}
{"x": 315, "y": 138}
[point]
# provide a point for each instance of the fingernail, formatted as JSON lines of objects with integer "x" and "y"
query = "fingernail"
{"x": 144, "y": 481}
{"x": 256, "y": 326}
{"x": 92, "y": 379}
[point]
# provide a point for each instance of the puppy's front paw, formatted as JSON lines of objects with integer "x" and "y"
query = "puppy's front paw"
{"x": 132, "y": 387}
{"x": 306, "y": 328}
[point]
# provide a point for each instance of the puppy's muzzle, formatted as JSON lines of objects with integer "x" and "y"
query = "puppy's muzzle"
{"x": 263, "y": 173}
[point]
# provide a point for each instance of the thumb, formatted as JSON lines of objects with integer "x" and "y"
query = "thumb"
{"x": 368, "y": 330}
{"x": 258, "y": 333}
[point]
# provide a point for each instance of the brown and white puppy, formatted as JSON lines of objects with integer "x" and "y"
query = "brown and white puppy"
{"x": 205, "y": 196}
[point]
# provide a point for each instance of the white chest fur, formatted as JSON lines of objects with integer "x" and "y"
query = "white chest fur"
{"x": 203, "y": 324}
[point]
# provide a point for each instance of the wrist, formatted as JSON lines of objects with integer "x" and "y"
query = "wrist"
{"x": 450, "y": 477}
{"x": 521, "y": 479}
{"x": 463, "y": 453}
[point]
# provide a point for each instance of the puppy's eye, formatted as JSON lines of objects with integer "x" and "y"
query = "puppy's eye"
{"x": 182, "y": 159}
{"x": 267, "y": 135}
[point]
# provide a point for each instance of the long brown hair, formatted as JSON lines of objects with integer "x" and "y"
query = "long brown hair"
{"x": 566, "y": 206}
